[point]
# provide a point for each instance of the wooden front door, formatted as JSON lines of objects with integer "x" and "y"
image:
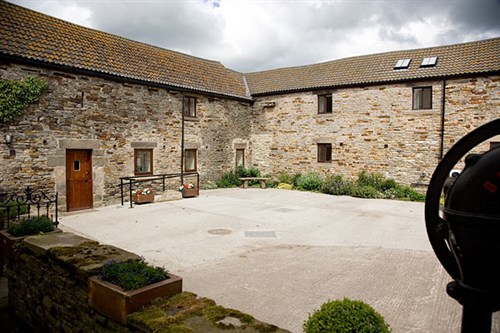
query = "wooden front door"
{"x": 79, "y": 194}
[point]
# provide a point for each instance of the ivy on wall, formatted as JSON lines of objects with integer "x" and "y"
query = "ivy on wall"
{"x": 15, "y": 96}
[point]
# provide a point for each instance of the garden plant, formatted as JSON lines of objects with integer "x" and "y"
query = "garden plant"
{"x": 130, "y": 275}
{"x": 345, "y": 316}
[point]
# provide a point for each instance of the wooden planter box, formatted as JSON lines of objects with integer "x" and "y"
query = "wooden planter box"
{"x": 7, "y": 242}
{"x": 190, "y": 192}
{"x": 116, "y": 303}
{"x": 143, "y": 198}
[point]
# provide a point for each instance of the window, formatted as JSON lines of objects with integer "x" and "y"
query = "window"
{"x": 402, "y": 64}
{"x": 422, "y": 98}
{"x": 324, "y": 152}
{"x": 429, "y": 62}
{"x": 325, "y": 103}
{"x": 143, "y": 161}
{"x": 190, "y": 160}
{"x": 190, "y": 106}
{"x": 240, "y": 157}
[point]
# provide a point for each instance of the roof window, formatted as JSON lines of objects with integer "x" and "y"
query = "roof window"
{"x": 429, "y": 62}
{"x": 402, "y": 64}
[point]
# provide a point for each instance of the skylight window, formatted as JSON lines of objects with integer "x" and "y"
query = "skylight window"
{"x": 429, "y": 62}
{"x": 402, "y": 64}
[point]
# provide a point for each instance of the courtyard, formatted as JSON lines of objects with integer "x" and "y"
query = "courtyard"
{"x": 278, "y": 255}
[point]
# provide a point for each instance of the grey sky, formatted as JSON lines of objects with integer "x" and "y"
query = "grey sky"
{"x": 256, "y": 35}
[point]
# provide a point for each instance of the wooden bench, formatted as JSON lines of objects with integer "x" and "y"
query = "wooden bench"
{"x": 262, "y": 180}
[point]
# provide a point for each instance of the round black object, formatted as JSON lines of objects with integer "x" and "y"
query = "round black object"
{"x": 472, "y": 211}
{"x": 476, "y": 191}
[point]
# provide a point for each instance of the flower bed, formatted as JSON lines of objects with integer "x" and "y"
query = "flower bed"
{"x": 145, "y": 195}
{"x": 125, "y": 287}
{"x": 189, "y": 190}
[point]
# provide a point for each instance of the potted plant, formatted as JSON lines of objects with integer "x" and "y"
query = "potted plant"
{"x": 145, "y": 195}
{"x": 189, "y": 190}
{"x": 25, "y": 228}
{"x": 125, "y": 287}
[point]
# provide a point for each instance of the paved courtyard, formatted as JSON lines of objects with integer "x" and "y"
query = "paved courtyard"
{"x": 278, "y": 255}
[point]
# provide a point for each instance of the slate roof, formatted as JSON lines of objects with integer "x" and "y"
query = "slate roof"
{"x": 453, "y": 60}
{"x": 30, "y": 35}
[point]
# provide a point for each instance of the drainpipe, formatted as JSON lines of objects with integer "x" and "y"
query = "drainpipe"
{"x": 443, "y": 102}
{"x": 182, "y": 138}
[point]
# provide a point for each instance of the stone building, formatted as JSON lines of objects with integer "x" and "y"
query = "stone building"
{"x": 115, "y": 107}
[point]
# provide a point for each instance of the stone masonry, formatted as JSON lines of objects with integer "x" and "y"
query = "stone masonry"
{"x": 111, "y": 119}
{"x": 371, "y": 128}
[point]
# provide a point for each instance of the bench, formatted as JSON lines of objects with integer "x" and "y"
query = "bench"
{"x": 262, "y": 180}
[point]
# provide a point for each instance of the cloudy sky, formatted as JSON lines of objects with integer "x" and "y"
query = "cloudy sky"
{"x": 254, "y": 35}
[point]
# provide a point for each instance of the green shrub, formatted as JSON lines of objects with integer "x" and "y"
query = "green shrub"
{"x": 311, "y": 181}
{"x": 131, "y": 275}
{"x": 13, "y": 209}
{"x": 376, "y": 181}
{"x": 285, "y": 186}
{"x": 285, "y": 178}
{"x": 406, "y": 192}
{"x": 367, "y": 191}
{"x": 210, "y": 185}
{"x": 336, "y": 185}
{"x": 31, "y": 226}
{"x": 229, "y": 179}
{"x": 345, "y": 316}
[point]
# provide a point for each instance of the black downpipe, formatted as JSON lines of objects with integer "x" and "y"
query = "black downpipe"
{"x": 443, "y": 102}
{"x": 182, "y": 139}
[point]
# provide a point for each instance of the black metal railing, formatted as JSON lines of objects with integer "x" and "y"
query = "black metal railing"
{"x": 18, "y": 206}
{"x": 154, "y": 180}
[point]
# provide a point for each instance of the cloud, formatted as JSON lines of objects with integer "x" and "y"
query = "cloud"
{"x": 257, "y": 35}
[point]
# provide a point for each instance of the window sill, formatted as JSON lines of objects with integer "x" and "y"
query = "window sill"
{"x": 422, "y": 112}
{"x": 194, "y": 119}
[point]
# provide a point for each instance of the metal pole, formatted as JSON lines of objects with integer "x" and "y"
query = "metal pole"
{"x": 443, "y": 103}
{"x": 121, "y": 189}
{"x": 130, "y": 192}
{"x": 182, "y": 138}
{"x": 476, "y": 320}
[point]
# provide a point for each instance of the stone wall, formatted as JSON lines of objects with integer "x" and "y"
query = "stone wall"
{"x": 48, "y": 282}
{"x": 49, "y": 291}
{"x": 371, "y": 128}
{"x": 111, "y": 119}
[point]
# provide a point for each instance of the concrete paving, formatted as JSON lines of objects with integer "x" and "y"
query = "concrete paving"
{"x": 278, "y": 255}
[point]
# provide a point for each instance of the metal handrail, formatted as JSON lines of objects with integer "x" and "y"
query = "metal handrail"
{"x": 132, "y": 180}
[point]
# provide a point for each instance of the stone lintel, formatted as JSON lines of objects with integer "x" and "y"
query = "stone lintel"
{"x": 240, "y": 146}
{"x": 143, "y": 144}
{"x": 78, "y": 144}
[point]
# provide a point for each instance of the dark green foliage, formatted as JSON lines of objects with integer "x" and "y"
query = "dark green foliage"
{"x": 15, "y": 96}
{"x": 345, "y": 316}
{"x": 336, "y": 185}
{"x": 31, "y": 226}
{"x": 131, "y": 275}
{"x": 285, "y": 178}
{"x": 311, "y": 181}
{"x": 376, "y": 181}
{"x": 231, "y": 178}
{"x": 13, "y": 210}
{"x": 367, "y": 191}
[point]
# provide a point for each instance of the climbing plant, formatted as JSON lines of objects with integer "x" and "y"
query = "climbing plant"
{"x": 15, "y": 96}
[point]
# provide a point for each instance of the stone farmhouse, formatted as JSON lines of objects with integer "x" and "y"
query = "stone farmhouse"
{"x": 116, "y": 107}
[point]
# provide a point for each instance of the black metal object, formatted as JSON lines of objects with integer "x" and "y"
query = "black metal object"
{"x": 14, "y": 207}
{"x": 466, "y": 239}
{"x": 133, "y": 180}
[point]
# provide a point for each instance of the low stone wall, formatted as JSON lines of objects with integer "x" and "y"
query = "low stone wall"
{"x": 48, "y": 286}
{"x": 48, "y": 289}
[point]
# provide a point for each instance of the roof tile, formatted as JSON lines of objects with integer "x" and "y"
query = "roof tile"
{"x": 28, "y": 34}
